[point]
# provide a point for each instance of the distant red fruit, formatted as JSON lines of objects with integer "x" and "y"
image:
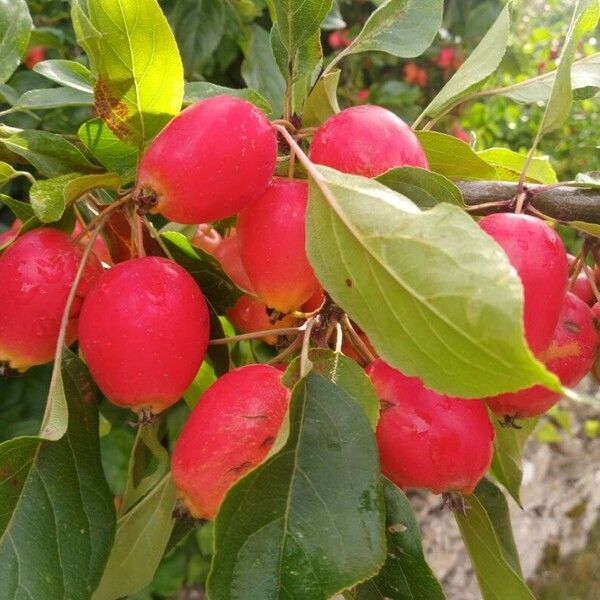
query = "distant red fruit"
{"x": 427, "y": 440}
{"x": 461, "y": 134}
{"x": 272, "y": 244}
{"x": 230, "y": 431}
{"x": 570, "y": 356}
{"x": 338, "y": 39}
{"x": 366, "y": 140}
{"x": 249, "y": 315}
{"x": 209, "y": 162}
{"x": 538, "y": 255}
{"x": 34, "y": 56}
{"x": 228, "y": 254}
{"x": 143, "y": 332}
{"x": 445, "y": 58}
{"x": 207, "y": 238}
{"x": 363, "y": 95}
{"x": 36, "y": 275}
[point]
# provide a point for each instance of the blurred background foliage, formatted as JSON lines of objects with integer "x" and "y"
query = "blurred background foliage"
{"x": 227, "y": 42}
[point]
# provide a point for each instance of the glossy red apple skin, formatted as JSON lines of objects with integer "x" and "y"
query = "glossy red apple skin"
{"x": 272, "y": 243}
{"x": 570, "y": 356}
{"x": 36, "y": 274}
{"x": 538, "y": 255}
{"x": 212, "y": 159}
{"x": 582, "y": 288}
{"x": 228, "y": 254}
{"x": 248, "y": 315}
{"x": 229, "y": 432}
{"x": 427, "y": 440}
{"x": 366, "y": 140}
{"x": 143, "y": 332}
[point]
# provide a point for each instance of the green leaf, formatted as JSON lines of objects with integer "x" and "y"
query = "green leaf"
{"x": 591, "y": 228}
{"x": 487, "y": 534}
{"x": 218, "y": 354}
{"x": 108, "y": 149}
{"x": 297, "y": 24}
{"x": 436, "y": 296}
{"x": 322, "y": 102}
{"x": 403, "y": 28}
{"x": 148, "y": 464}
{"x": 53, "y": 98}
{"x": 344, "y": 373}
{"x": 15, "y": 29}
{"x": 334, "y": 19}
{"x": 309, "y": 520}
{"x": 508, "y": 450}
{"x": 480, "y": 64}
{"x": 50, "y": 197}
{"x": 509, "y": 165}
{"x": 453, "y": 158}
{"x": 198, "y": 26}
{"x": 68, "y": 73}
{"x": 425, "y": 188}
{"x": 215, "y": 285}
{"x": 198, "y": 90}
{"x": 57, "y": 513}
{"x": 585, "y": 81}
{"x": 558, "y": 107}
{"x": 8, "y": 173}
{"x": 51, "y": 154}
{"x": 21, "y": 210}
{"x": 260, "y": 70}
{"x": 405, "y": 574}
{"x": 136, "y": 63}
{"x": 140, "y": 542}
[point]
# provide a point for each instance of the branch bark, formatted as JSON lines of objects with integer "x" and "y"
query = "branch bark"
{"x": 563, "y": 203}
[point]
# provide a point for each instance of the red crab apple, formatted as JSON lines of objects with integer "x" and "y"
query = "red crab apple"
{"x": 207, "y": 238}
{"x": 596, "y": 367}
{"x": 366, "y": 140}
{"x": 228, "y": 254}
{"x": 208, "y": 162}
{"x": 570, "y": 356}
{"x": 229, "y": 432}
{"x": 143, "y": 331}
{"x": 427, "y": 440}
{"x": 34, "y": 56}
{"x": 36, "y": 275}
{"x": 538, "y": 255}
{"x": 272, "y": 240}
{"x": 582, "y": 288}
{"x": 248, "y": 315}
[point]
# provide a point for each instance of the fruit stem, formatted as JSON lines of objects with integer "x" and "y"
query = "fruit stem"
{"x": 305, "y": 363}
{"x": 287, "y": 352}
{"x": 64, "y": 322}
{"x": 496, "y": 204}
{"x": 339, "y": 337}
{"x": 150, "y": 226}
{"x": 99, "y": 217}
{"x": 257, "y": 334}
{"x": 590, "y": 275}
{"x": 356, "y": 341}
{"x": 139, "y": 235}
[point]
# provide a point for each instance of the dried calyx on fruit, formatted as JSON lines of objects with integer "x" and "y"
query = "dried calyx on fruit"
{"x": 143, "y": 332}
{"x": 229, "y": 432}
{"x": 208, "y": 162}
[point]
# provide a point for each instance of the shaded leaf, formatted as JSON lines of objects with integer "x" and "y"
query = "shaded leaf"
{"x": 140, "y": 541}
{"x": 508, "y": 449}
{"x": 487, "y": 534}
{"x": 403, "y": 28}
{"x": 453, "y": 158}
{"x": 8, "y": 173}
{"x": 53, "y": 98}
{"x": 405, "y": 574}
{"x": 51, "y": 154}
{"x": 198, "y": 90}
{"x": 480, "y": 64}
{"x": 57, "y": 513}
{"x": 215, "y": 285}
{"x": 309, "y": 520}
{"x": 297, "y": 24}
{"x": 435, "y": 295}
{"x": 68, "y": 73}
{"x": 425, "y": 188}
{"x": 21, "y": 210}
{"x": 344, "y": 373}
{"x": 15, "y": 29}
{"x": 322, "y": 102}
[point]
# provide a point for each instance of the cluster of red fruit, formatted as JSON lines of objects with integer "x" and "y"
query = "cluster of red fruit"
{"x": 143, "y": 324}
